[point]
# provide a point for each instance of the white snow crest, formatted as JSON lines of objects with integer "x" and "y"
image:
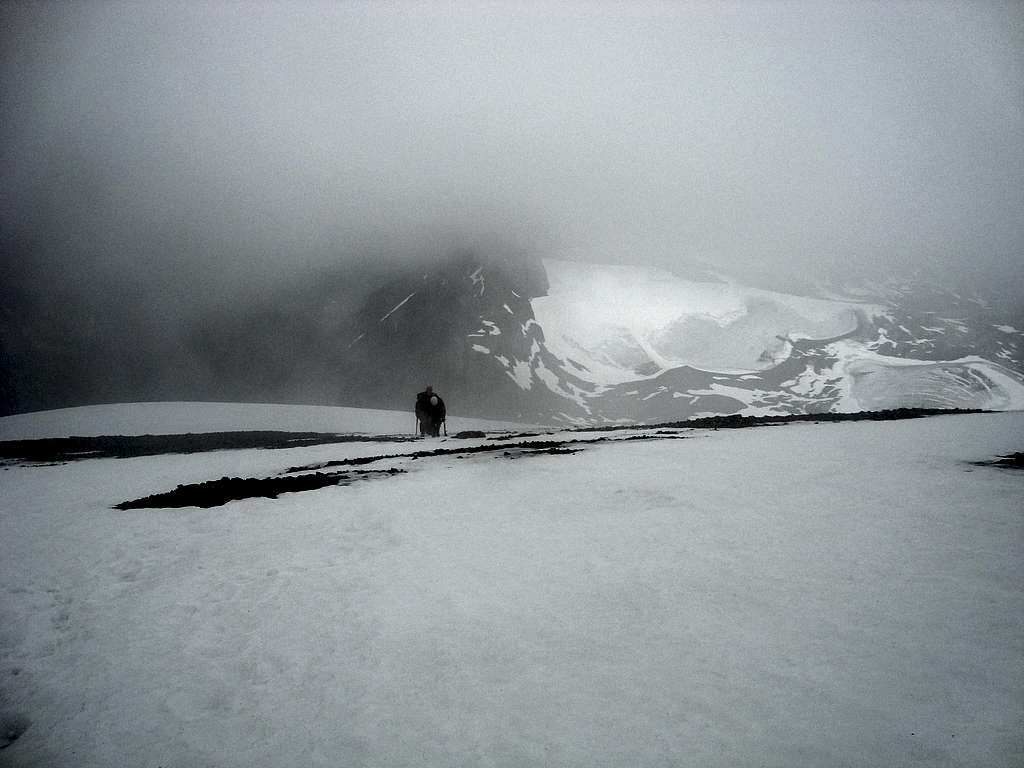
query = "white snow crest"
{"x": 521, "y": 374}
{"x": 564, "y": 388}
{"x": 809, "y": 383}
{"x": 173, "y": 418}
{"x": 398, "y": 306}
{"x": 477, "y": 279}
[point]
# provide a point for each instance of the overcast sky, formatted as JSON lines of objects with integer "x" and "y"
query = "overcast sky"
{"x": 225, "y": 139}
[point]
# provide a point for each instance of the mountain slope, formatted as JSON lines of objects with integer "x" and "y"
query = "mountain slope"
{"x": 556, "y": 342}
{"x": 617, "y": 343}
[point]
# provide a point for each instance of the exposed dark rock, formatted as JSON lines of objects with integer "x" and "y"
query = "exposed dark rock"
{"x": 737, "y": 421}
{"x": 215, "y": 493}
{"x": 1013, "y": 461}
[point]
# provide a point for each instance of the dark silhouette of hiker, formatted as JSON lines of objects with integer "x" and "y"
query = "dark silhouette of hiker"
{"x": 430, "y": 412}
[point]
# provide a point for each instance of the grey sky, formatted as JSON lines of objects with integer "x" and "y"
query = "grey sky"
{"x": 230, "y": 140}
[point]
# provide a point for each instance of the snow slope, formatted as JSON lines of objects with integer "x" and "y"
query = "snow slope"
{"x": 627, "y": 322}
{"x": 181, "y": 418}
{"x": 871, "y": 381}
{"x": 803, "y": 595}
{"x": 604, "y": 344}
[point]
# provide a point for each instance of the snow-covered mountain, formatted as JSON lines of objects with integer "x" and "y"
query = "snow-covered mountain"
{"x": 578, "y": 342}
{"x": 548, "y": 341}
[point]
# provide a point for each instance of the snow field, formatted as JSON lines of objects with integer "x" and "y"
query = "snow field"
{"x": 612, "y": 318}
{"x": 181, "y": 418}
{"x": 839, "y": 594}
{"x": 872, "y": 381}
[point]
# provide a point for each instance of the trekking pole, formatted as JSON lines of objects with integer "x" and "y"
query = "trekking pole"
{"x": 445, "y": 425}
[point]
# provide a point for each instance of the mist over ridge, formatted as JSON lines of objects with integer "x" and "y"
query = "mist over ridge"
{"x": 174, "y": 173}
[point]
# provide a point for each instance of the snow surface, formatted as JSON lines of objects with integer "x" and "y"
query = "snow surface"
{"x": 521, "y": 373}
{"x": 798, "y": 595}
{"x": 615, "y": 319}
{"x": 182, "y": 418}
{"x": 871, "y": 381}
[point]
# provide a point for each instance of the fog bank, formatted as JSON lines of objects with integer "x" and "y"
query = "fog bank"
{"x": 157, "y": 161}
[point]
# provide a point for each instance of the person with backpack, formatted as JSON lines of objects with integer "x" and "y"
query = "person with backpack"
{"x": 430, "y": 412}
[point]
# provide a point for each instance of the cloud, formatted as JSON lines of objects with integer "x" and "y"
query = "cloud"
{"x": 166, "y": 157}
{"x": 742, "y": 134}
